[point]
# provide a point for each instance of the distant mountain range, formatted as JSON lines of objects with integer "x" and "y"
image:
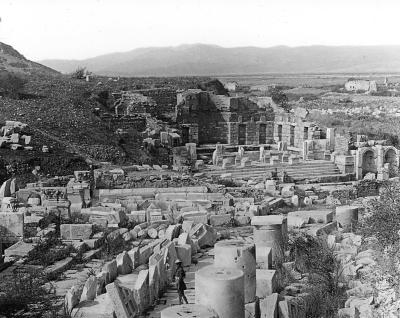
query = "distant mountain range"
{"x": 201, "y": 59}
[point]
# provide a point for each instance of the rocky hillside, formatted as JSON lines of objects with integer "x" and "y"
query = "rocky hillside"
{"x": 13, "y": 61}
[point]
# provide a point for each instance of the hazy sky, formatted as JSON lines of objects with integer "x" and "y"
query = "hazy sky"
{"x": 72, "y": 29}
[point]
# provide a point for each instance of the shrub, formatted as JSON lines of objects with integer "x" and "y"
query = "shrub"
{"x": 23, "y": 290}
{"x": 11, "y": 84}
{"x": 383, "y": 219}
{"x": 79, "y": 73}
{"x": 48, "y": 251}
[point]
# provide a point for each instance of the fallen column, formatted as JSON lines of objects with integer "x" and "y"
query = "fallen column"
{"x": 221, "y": 289}
{"x": 240, "y": 255}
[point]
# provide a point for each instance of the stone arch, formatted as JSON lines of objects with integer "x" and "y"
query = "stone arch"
{"x": 368, "y": 163}
{"x": 390, "y": 156}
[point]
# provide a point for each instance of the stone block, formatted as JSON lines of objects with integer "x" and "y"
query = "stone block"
{"x": 135, "y": 256}
{"x": 252, "y": 310}
{"x": 153, "y": 284}
{"x": 187, "y": 226}
{"x": 183, "y": 239}
{"x": 141, "y": 290}
{"x": 172, "y": 232}
{"x": 112, "y": 269}
{"x": 219, "y": 220}
{"x": 19, "y": 249}
{"x": 184, "y": 253}
{"x": 124, "y": 263}
{"x": 93, "y": 243}
{"x": 314, "y": 216}
{"x": 242, "y": 220}
{"x": 269, "y": 306}
{"x": 76, "y": 231}
{"x": 264, "y": 257}
{"x": 144, "y": 254}
{"x": 122, "y": 300}
{"x": 90, "y": 289}
{"x": 100, "y": 307}
{"x": 71, "y": 298}
{"x": 320, "y": 229}
{"x": 196, "y": 217}
{"x": 205, "y": 235}
{"x": 11, "y": 227}
{"x": 266, "y": 282}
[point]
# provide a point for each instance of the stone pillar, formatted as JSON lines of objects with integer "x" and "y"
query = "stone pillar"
{"x": 269, "y": 231}
{"x": 305, "y": 150}
{"x": 380, "y": 157}
{"x": 347, "y": 215}
{"x": 221, "y": 289}
{"x": 188, "y": 311}
{"x": 330, "y": 137}
{"x": 240, "y": 255}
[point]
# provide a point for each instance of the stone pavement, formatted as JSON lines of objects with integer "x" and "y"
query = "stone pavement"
{"x": 170, "y": 297}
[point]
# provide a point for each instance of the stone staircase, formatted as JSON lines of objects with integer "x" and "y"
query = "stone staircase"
{"x": 304, "y": 170}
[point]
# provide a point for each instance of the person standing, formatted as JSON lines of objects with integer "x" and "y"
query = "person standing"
{"x": 180, "y": 283}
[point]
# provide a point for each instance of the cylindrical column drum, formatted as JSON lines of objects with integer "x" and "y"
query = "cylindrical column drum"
{"x": 240, "y": 255}
{"x": 221, "y": 289}
{"x": 188, "y": 311}
{"x": 347, "y": 215}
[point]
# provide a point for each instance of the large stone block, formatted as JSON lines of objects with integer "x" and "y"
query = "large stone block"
{"x": 187, "y": 226}
{"x": 122, "y": 300}
{"x": 141, "y": 290}
{"x": 154, "y": 286}
{"x": 11, "y": 227}
{"x": 76, "y": 231}
{"x": 135, "y": 256}
{"x": 71, "y": 298}
{"x": 112, "y": 269}
{"x": 269, "y": 306}
{"x": 314, "y": 216}
{"x": 124, "y": 263}
{"x": 266, "y": 282}
{"x": 90, "y": 288}
{"x": 218, "y": 220}
{"x": 184, "y": 253}
{"x": 144, "y": 254}
{"x": 263, "y": 257}
{"x": 100, "y": 307}
{"x": 205, "y": 235}
{"x": 252, "y": 310}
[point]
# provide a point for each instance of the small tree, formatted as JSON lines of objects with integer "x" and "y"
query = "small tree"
{"x": 79, "y": 73}
{"x": 11, "y": 84}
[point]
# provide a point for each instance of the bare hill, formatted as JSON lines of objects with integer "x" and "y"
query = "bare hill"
{"x": 200, "y": 59}
{"x": 13, "y": 61}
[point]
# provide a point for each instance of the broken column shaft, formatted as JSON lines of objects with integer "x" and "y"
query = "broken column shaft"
{"x": 240, "y": 255}
{"x": 221, "y": 289}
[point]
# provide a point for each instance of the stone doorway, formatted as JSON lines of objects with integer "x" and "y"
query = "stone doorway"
{"x": 279, "y": 132}
{"x": 391, "y": 159}
{"x": 262, "y": 136}
{"x": 242, "y": 134}
{"x": 185, "y": 135}
{"x": 291, "y": 139}
{"x": 368, "y": 163}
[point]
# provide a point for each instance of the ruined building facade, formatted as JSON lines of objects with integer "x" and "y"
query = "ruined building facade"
{"x": 206, "y": 118}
